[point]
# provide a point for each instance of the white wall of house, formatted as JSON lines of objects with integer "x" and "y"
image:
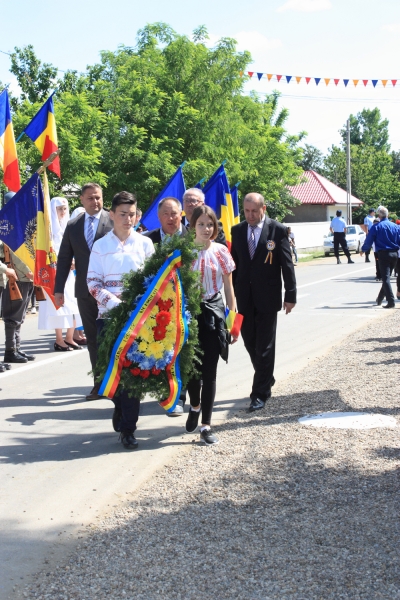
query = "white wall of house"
{"x": 309, "y": 235}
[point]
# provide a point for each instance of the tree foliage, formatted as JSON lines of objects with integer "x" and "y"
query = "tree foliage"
{"x": 368, "y": 128}
{"x": 312, "y": 159}
{"x": 141, "y": 111}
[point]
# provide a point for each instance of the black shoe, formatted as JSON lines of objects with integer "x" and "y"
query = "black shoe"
{"x": 350, "y": 262}
{"x": 379, "y": 301}
{"x": 116, "y": 419}
{"x": 128, "y": 440}
{"x": 207, "y": 437}
{"x": 7, "y": 366}
{"x": 94, "y": 394}
{"x": 28, "y": 356}
{"x": 389, "y": 306}
{"x": 2, "y": 368}
{"x": 11, "y": 356}
{"x": 256, "y": 404}
{"x": 338, "y": 261}
{"x": 192, "y": 421}
{"x": 58, "y": 348}
{"x": 367, "y": 260}
{"x": 74, "y": 346}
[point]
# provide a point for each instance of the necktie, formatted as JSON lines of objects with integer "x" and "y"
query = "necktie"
{"x": 252, "y": 242}
{"x": 90, "y": 233}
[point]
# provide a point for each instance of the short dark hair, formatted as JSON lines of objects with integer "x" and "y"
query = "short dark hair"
{"x": 205, "y": 210}
{"x": 371, "y": 210}
{"x": 123, "y": 198}
{"x": 90, "y": 186}
{"x": 338, "y": 213}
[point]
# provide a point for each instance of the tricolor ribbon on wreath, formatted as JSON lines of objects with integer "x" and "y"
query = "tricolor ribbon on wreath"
{"x": 154, "y": 347}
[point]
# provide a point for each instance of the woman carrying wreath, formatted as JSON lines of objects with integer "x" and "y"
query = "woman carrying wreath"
{"x": 215, "y": 265}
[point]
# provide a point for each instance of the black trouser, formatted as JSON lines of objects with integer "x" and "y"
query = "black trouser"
{"x": 387, "y": 262}
{"x": 89, "y": 310}
{"x": 340, "y": 239}
{"x": 398, "y": 274}
{"x": 259, "y": 334}
{"x": 128, "y": 404}
{"x": 14, "y": 312}
{"x": 202, "y": 390}
{"x": 367, "y": 253}
{"x": 378, "y": 271}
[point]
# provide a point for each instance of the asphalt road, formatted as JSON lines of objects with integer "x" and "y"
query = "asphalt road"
{"x": 61, "y": 464}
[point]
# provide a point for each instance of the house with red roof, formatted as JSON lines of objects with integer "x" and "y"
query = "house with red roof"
{"x": 320, "y": 199}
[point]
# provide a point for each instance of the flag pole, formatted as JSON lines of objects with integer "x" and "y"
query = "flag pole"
{"x": 48, "y": 161}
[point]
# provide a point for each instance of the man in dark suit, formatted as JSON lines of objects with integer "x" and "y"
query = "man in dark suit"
{"x": 79, "y": 237}
{"x": 192, "y": 198}
{"x": 261, "y": 251}
{"x": 169, "y": 212}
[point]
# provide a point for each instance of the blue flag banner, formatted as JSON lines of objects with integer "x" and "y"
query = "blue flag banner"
{"x": 235, "y": 203}
{"x": 18, "y": 220}
{"x": 288, "y": 78}
{"x": 175, "y": 188}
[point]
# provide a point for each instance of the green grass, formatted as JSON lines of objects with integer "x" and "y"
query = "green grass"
{"x": 312, "y": 256}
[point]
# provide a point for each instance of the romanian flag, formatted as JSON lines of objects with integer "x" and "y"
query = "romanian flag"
{"x": 218, "y": 197}
{"x": 234, "y": 322}
{"x": 43, "y": 133}
{"x": 45, "y": 258}
{"x": 8, "y": 149}
{"x": 18, "y": 221}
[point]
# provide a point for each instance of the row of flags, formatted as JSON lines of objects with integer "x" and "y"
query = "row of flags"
{"x": 218, "y": 195}
{"x": 317, "y": 80}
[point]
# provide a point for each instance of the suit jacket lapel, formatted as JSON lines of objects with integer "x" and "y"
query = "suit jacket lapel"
{"x": 263, "y": 238}
{"x": 102, "y": 223}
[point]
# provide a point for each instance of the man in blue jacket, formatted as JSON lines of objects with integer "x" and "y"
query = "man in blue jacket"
{"x": 386, "y": 236}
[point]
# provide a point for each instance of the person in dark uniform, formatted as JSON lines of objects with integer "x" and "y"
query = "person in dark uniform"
{"x": 338, "y": 228}
{"x": 386, "y": 237}
{"x": 261, "y": 252}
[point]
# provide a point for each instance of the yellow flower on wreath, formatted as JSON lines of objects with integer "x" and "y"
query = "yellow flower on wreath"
{"x": 156, "y": 349}
{"x": 146, "y": 334}
{"x": 143, "y": 347}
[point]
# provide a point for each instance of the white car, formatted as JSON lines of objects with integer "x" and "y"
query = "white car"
{"x": 355, "y": 238}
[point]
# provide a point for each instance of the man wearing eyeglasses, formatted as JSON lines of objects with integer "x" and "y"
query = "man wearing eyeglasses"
{"x": 192, "y": 198}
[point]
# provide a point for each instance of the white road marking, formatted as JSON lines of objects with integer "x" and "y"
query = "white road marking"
{"x": 302, "y": 296}
{"x": 334, "y": 277}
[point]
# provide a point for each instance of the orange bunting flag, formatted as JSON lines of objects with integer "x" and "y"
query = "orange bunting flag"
{"x": 241, "y": 73}
{"x": 298, "y": 79}
{"x": 384, "y": 81}
{"x": 355, "y": 81}
{"x": 269, "y": 75}
{"x": 326, "y": 81}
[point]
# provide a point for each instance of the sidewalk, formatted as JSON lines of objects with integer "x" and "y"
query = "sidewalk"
{"x": 277, "y": 511}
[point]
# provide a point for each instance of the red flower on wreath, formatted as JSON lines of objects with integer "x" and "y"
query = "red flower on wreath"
{"x": 164, "y": 304}
{"x": 126, "y": 363}
{"x": 144, "y": 374}
{"x": 135, "y": 371}
{"x": 156, "y": 371}
{"x": 159, "y": 333}
{"x": 163, "y": 318}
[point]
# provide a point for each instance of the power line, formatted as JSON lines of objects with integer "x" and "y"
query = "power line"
{"x": 327, "y": 98}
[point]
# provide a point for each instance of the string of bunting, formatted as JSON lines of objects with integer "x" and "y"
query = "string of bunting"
{"x": 317, "y": 80}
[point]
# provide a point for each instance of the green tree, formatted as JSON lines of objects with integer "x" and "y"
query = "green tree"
{"x": 368, "y": 128}
{"x": 35, "y": 78}
{"x": 312, "y": 159}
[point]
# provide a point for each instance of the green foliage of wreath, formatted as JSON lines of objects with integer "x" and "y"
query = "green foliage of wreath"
{"x": 134, "y": 286}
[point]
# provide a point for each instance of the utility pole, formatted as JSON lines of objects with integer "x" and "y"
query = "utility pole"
{"x": 348, "y": 179}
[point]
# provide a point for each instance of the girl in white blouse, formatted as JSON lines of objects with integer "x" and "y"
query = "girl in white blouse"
{"x": 215, "y": 265}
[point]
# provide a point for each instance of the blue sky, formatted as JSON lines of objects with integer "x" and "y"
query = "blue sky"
{"x": 353, "y": 39}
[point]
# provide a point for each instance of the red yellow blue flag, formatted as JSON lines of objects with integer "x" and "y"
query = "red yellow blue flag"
{"x": 218, "y": 197}
{"x": 43, "y": 133}
{"x": 8, "y": 148}
{"x": 45, "y": 257}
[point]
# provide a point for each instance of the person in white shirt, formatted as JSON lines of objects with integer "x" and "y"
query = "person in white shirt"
{"x": 215, "y": 265}
{"x": 118, "y": 252}
{"x": 338, "y": 228}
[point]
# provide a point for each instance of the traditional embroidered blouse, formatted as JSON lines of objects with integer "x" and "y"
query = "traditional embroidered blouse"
{"x": 109, "y": 260}
{"x": 213, "y": 263}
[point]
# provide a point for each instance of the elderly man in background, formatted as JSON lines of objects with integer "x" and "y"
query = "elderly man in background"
{"x": 192, "y": 198}
{"x": 169, "y": 212}
{"x": 386, "y": 237}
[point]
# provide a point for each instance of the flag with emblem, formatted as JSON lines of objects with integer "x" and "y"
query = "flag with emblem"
{"x": 43, "y": 133}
